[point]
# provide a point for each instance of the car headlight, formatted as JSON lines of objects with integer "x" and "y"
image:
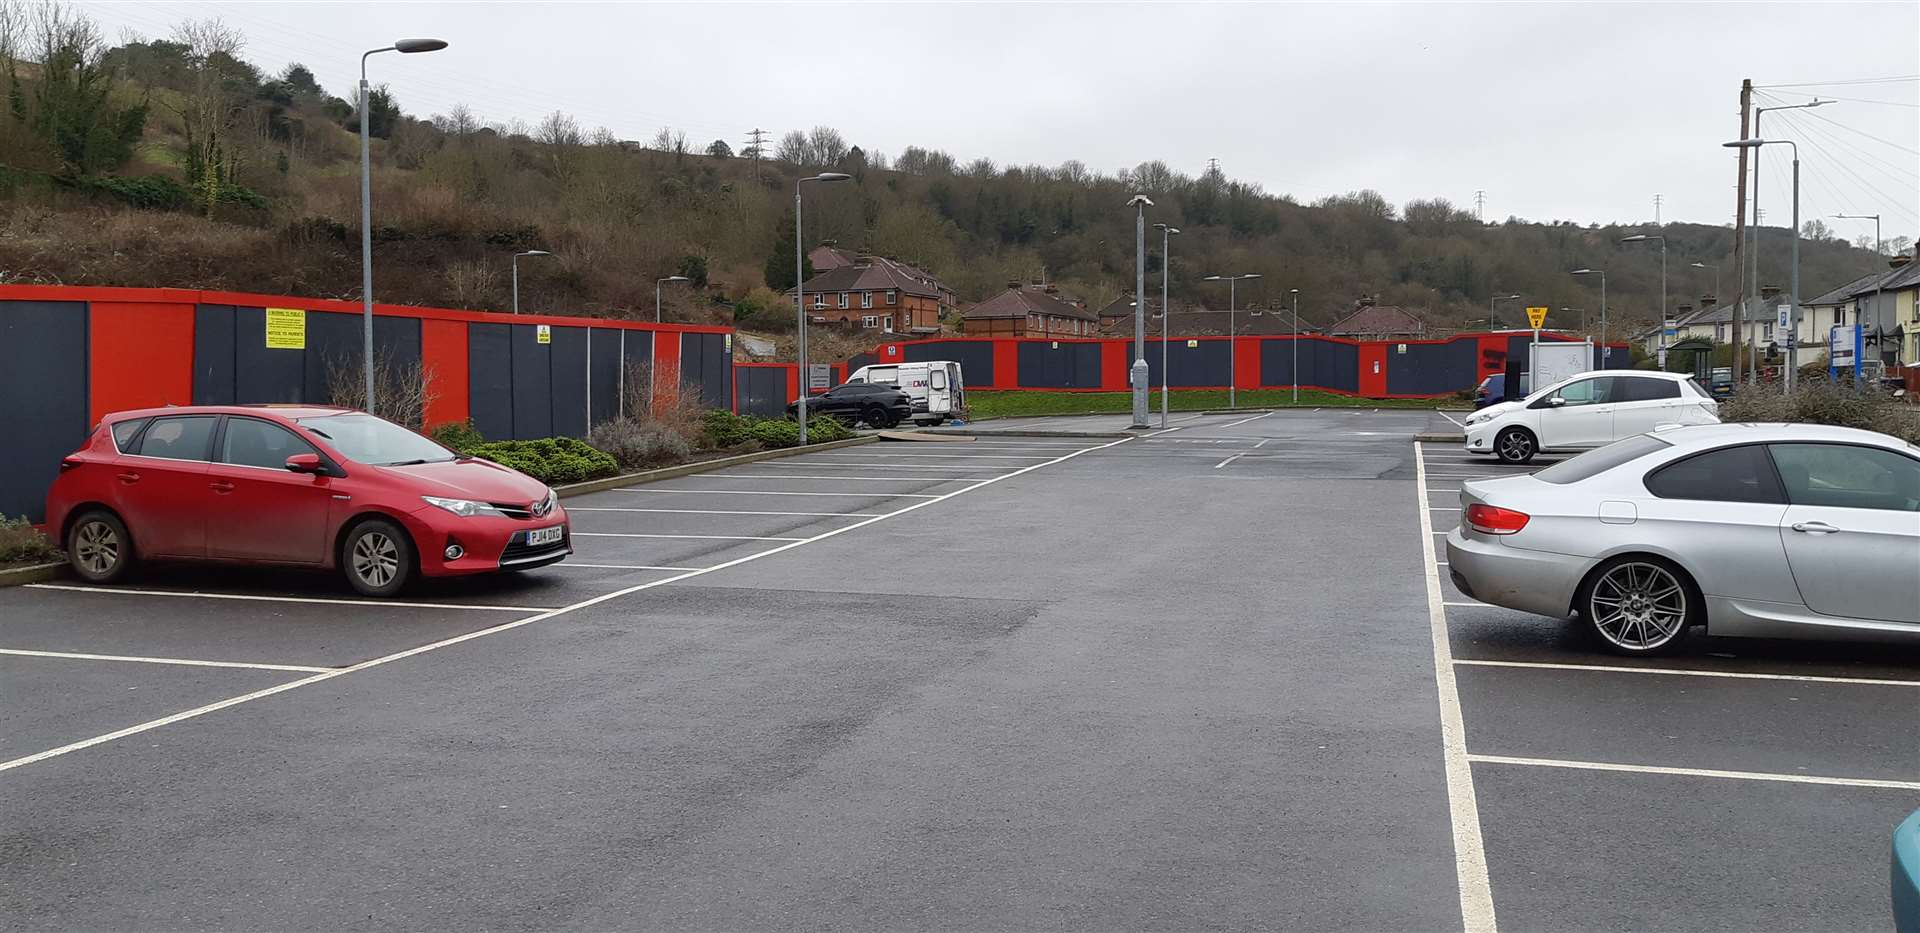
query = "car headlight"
{"x": 465, "y": 508}
{"x": 1478, "y": 418}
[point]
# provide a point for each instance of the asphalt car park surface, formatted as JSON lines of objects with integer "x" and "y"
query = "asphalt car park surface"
{"x": 1182, "y": 680}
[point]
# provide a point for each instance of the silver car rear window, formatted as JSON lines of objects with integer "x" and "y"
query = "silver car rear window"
{"x": 1596, "y": 462}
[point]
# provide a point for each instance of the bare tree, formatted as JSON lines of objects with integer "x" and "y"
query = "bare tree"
{"x": 212, "y": 106}
{"x": 794, "y": 149}
{"x": 826, "y": 146}
{"x": 460, "y": 121}
{"x": 402, "y": 392}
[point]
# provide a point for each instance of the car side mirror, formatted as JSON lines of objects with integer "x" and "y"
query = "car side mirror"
{"x": 1556, "y": 402}
{"x": 305, "y": 463}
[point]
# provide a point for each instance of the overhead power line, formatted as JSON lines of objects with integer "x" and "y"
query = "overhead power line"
{"x": 1891, "y": 79}
{"x": 1856, "y": 100}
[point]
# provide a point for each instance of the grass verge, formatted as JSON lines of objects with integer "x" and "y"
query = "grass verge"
{"x": 988, "y": 404}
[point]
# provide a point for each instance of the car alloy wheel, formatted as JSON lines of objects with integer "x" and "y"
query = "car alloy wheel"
{"x": 1638, "y": 607}
{"x": 96, "y": 548}
{"x": 1515, "y": 446}
{"x": 375, "y": 559}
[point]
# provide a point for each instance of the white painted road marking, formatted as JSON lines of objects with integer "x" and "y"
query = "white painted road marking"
{"x": 1469, "y": 850}
{"x": 1449, "y": 417}
{"x": 732, "y": 512}
{"x": 1228, "y": 460}
{"x": 902, "y": 479}
{"x": 1241, "y": 421}
{"x": 121, "y": 591}
{"x": 565, "y": 564}
{"x": 1695, "y": 772}
{"x": 771, "y": 492}
{"x": 516, "y": 623}
{"x": 608, "y": 534}
{"x": 75, "y": 656}
{"x": 1683, "y": 672}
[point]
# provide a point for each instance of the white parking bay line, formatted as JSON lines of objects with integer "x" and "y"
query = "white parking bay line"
{"x": 901, "y": 479}
{"x": 1228, "y": 460}
{"x": 732, "y": 512}
{"x": 874, "y": 465}
{"x": 609, "y": 534}
{"x": 777, "y": 492}
{"x": 74, "y": 656}
{"x": 1683, "y": 672}
{"x": 1450, "y": 418}
{"x": 183, "y": 715}
{"x": 565, "y": 564}
{"x": 1469, "y": 850}
{"x": 121, "y": 591}
{"x": 1695, "y": 772}
{"x": 823, "y": 458}
{"x": 1240, "y": 422}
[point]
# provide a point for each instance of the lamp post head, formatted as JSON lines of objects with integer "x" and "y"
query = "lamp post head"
{"x": 1636, "y": 238}
{"x": 828, "y": 176}
{"x": 534, "y": 252}
{"x": 1745, "y": 144}
{"x": 420, "y": 45}
{"x": 1140, "y": 200}
{"x": 1584, "y": 271}
{"x": 676, "y": 278}
{"x": 1293, "y": 291}
{"x": 1701, "y": 265}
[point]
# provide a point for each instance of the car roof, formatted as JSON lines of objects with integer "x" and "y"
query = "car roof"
{"x": 282, "y": 411}
{"x": 1648, "y": 373}
{"x": 1709, "y": 435}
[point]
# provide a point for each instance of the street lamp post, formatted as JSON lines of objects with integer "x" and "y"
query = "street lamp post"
{"x": 1166, "y": 314}
{"x": 1716, "y": 277}
{"x": 1641, "y": 238}
{"x": 1233, "y": 287}
{"x": 366, "y": 203}
{"x": 1753, "y": 360}
{"x": 516, "y": 274}
{"x": 1602, "y": 273}
{"x": 1138, "y": 374}
{"x": 800, "y": 295}
{"x": 1296, "y": 344}
{"x": 1878, "y": 248}
{"x": 1793, "y": 285}
{"x": 1490, "y": 300}
{"x": 675, "y": 278}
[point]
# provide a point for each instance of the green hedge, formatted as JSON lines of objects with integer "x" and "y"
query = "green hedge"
{"x": 555, "y": 461}
{"x": 725, "y": 429}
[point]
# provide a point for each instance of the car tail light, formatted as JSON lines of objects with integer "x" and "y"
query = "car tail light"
{"x": 1493, "y": 520}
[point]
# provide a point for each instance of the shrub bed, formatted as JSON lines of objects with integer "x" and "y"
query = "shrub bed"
{"x": 725, "y": 429}
{"x": 21, "y": 544}
{"x": 1816, "y": 401}
{"x": 555, "y": 461}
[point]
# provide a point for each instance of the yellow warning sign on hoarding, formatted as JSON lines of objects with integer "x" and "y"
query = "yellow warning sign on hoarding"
{"x": 543, "y": 333}
{"x": 1536, "y": 317}
{"x": 286, "y": 329}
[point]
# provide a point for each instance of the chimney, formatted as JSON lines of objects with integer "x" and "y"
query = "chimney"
{"x": 1709, "y": 300}
{"x": 1013, "y": 285}
{"x": 1682, "y": 311}
{"x": 1769, "y": 292}
{"x": 1366, "y": 301}
{"x": 863, "y": 259}
{"x": 1898, "y": 261}
{"x": 1052, "y": 289}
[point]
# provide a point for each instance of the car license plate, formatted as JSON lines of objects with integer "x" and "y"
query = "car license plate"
{"x": 540, "y": 536}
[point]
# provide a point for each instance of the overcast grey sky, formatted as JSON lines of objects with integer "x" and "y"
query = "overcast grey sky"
{"x": 1559, "y": 111}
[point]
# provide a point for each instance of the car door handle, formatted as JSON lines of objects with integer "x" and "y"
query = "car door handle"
{"x": 129, "y": 478}
{"x": 1814, "y": 528}
{"x": 220, "y": 486}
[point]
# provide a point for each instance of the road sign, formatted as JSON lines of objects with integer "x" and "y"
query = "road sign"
{"x": 1840, "y": 347}
{"x": 1670, "y": 327}
{"x": 1537, "y": 317}
{"x": 1193, "y": 344}
{"x": 1785, "y": 318}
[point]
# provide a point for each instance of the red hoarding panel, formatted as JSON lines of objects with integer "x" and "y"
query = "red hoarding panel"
{"x": 443, "y": 352}
{"x": 1246, "y": 362}
{"x": 1006, "y": 364}
{"x": 666, "y": 372}
{"x": 1114, "y": 366}
{"x": 1373, "y": 370}
{"x": 141, "y": 354}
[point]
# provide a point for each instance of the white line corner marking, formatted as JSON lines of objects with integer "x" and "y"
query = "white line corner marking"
{"x": 529, "y": 620}
{"x": 1469, "y": 852}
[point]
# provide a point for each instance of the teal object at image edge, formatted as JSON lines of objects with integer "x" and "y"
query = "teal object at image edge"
{"x": 1906, "y": 875}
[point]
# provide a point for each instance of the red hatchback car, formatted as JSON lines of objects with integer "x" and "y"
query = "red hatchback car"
{"x": 297, "y": 486}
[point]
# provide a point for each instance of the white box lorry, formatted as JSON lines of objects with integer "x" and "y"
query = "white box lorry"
{"x": 938, "y": 392}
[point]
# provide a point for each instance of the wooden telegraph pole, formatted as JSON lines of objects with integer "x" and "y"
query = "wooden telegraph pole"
{"x": 1740, "y": 229}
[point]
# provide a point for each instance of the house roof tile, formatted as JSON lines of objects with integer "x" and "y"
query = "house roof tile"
{"x": 1027, "y": 299}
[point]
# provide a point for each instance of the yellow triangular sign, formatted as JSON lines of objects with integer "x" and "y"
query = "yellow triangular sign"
{"x": 1536, "y": 317}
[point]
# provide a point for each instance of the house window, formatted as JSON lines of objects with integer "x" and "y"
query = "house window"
{"x": 1837, "y": 314}
{"x": 869, "y": 321}
{"x": 846, "y": 300}
{"x": 866, "y": 299}
{"x": 1720, "y": 333}
{"x": 892, "y": 296}
{"x": 819, "y": 300}
{"x": 1766, "y": 330}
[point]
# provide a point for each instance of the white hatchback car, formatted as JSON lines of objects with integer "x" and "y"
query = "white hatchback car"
{"x": 1589, "y": 410}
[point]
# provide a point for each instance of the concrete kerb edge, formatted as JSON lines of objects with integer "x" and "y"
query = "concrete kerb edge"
{"x": 1439, "y": 438}
{"x": 703, "y": 466}
{"x": 37, "y": 573}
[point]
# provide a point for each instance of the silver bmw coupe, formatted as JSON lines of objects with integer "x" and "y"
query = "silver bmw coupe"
{"x": 1777, "y": 530}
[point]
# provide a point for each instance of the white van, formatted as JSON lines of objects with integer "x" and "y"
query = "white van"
{"x": 937, "y": 390}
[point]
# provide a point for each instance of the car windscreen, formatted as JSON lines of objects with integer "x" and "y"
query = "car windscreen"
{"x": 1598, "y": 461}
{"x": 370, "y": 440}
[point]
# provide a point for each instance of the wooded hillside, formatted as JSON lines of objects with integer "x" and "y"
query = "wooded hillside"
{"x": 176, "y": 163}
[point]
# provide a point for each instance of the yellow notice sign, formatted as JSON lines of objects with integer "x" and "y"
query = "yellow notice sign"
{"x": 543, "y": 334}
{"x": 286, "y": 329}
{"x": 1536, "y": 317}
